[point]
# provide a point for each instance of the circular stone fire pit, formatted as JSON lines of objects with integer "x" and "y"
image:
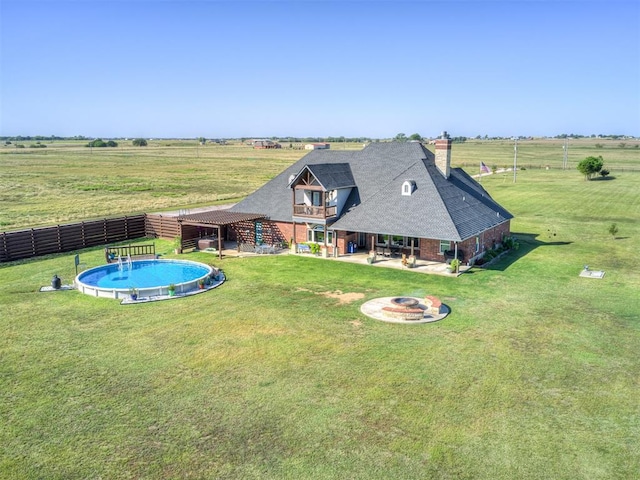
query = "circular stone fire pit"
{"x": 406, "y": 302}
{"x": 405, "y": 309}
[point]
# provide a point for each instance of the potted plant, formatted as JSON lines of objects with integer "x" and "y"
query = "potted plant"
{"x": 178, "y": 245}
{"x": 171, "y": 289}
{"x": 133, "y": 293}
{"x": 201, "y": 284}
{"x": 371, "y": 259}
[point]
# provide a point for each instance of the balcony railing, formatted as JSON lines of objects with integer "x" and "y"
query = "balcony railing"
{"x": 314, "y": 212}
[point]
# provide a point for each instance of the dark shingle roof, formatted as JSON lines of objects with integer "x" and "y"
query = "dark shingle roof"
{"x": 456, "y": 208}
{"x": 333, "y": 176}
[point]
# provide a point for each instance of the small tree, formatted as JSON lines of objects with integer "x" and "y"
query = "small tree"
{"x": 590, "y": 166}
{"x": 98, "y": 142}
{"x": 415, "y": 136}
{"x": 604, "y": 172}
{"x": 401, "y": 137}
{"x": 139, "y": 142}
{"x": 613, "y": 230}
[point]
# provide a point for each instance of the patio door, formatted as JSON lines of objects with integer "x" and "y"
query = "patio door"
{"x": 362, "y": 239}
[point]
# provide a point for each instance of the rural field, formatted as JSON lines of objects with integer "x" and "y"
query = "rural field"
{"x": 535, "y": 374}
{"x": 67, "y": 181}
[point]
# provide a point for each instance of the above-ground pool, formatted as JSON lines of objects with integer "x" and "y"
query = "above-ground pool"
{"x": 148, "y": 277}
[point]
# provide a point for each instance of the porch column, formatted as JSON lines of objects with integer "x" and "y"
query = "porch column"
{"x": 293, "y": 191}
{"x": 219, "y": 241}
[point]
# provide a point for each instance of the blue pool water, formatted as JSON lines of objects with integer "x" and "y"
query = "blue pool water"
{"x": 144, "y": 274}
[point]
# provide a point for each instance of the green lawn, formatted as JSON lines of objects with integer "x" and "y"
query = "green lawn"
{"x": 533, "y": 375}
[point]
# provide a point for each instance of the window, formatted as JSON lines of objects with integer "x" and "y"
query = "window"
{"x": 416, "y": 242}
{"x": 315, "y": 199}
{"x": 444, "y": 245}
{"x": 408, "y": 186}
{"x": 316, "y": 235}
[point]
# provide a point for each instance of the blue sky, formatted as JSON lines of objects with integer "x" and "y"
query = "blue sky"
{"x": 156, "y": 68}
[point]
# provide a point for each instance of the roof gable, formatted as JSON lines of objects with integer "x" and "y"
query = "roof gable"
{"x": 330, "y": 176}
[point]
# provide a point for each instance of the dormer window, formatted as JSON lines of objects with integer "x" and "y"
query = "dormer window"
{"x": 408, "y": 187}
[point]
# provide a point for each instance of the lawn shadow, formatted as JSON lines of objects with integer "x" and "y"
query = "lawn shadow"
{"x": 528, "y": 242}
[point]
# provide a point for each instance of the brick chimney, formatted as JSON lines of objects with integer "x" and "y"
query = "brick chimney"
{"x": 443, "y": 154}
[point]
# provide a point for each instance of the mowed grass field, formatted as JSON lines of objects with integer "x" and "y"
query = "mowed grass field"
{"x": 535, "y": 374}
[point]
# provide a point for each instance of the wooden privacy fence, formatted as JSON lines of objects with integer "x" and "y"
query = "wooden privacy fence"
{"x": 162, "y": 226}
{"x": 33, "y": 242}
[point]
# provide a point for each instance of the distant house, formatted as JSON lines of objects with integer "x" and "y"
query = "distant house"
{"x": 317, "y": 146}
{"x": 265, "y": 144}
{"x": 394, "y": 196}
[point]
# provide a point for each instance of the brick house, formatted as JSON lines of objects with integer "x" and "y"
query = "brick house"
{"x": 392, "y": 198}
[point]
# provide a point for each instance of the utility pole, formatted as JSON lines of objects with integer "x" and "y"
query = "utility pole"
{"x": 515, "y": 159}
{"x": 565, "y": 159}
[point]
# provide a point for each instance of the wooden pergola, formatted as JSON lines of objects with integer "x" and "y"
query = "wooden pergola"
{"x": 216, "y": 219}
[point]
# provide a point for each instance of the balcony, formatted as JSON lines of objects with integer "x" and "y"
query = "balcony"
{"x": 309, "y": 211}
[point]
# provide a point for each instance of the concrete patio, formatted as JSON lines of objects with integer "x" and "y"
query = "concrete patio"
{"x": 421, "y": 266}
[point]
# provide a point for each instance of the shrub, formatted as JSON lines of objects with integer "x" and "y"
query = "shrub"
{"x": 510, "y": 243}
{"x": 139, "y": 142}
{"x": 98, "y": 142}
{"x": 454, "y": 265}
{"x": 490, "y": 254}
